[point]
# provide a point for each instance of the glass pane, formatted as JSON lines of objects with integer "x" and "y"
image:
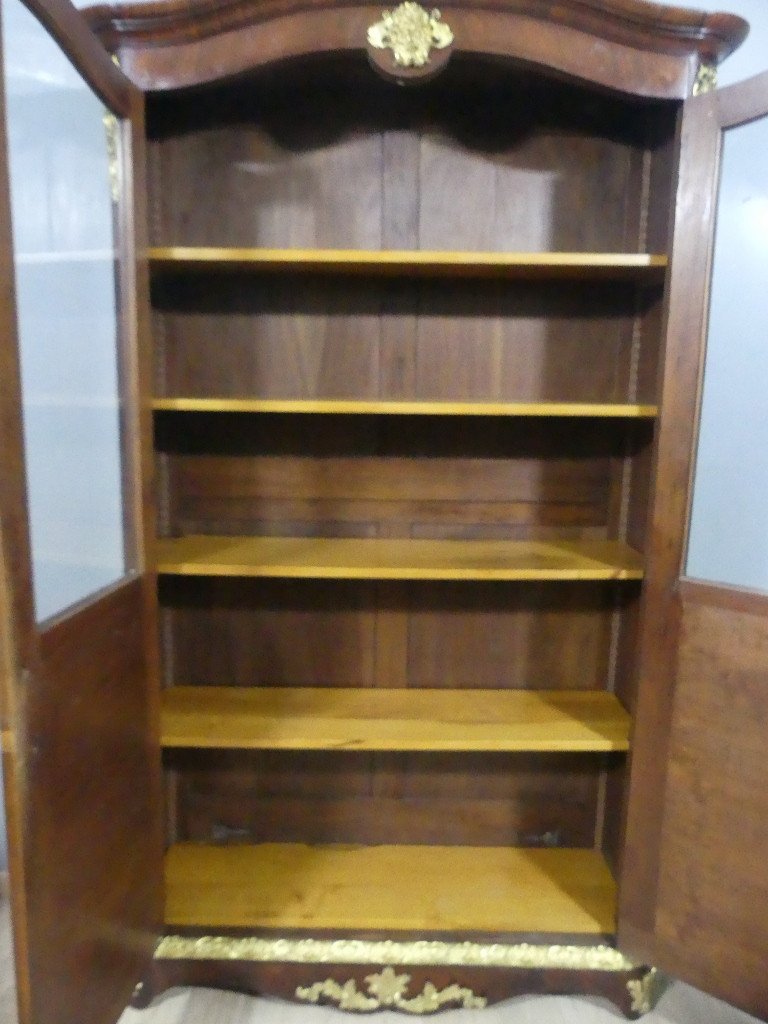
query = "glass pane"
{"x": 729, "y": 520}
{"x": 64, "y": 248}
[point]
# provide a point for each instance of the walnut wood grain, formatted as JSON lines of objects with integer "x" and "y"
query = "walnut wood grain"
{"x": 300, "y": 338}
{"x": 518, "y": 183}
{"x": 542, "y": 478}
{"x": 424, "y": 798}
{"x": 88, "y": 712}
{"x": 716, "y": 801}
{"x": 550, "y": 635}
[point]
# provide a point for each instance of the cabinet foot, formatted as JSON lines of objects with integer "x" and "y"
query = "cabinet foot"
{"x": 643, "y": 990}
{"x": 145, "y": 992}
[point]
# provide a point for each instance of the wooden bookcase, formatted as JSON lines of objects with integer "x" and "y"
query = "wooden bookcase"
{"x": 404, "y": 360}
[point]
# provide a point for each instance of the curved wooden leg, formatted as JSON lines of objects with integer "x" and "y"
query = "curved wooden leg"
{"x": 643, "y": 989}
{"x": 145, "y": 991}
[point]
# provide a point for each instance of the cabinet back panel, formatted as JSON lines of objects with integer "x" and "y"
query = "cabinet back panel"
{"x": 298, "y": 336}
{"x": 533, "y": 635}
{"x": 324, "y": 153}
{"x": 391, "y": 476}
{"x": 394, "y": 497}
{"x": 477, "y": 799}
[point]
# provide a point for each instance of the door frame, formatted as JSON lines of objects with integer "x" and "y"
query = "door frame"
{"x": 21, "y": 637}
{"x": 704, "y": 121}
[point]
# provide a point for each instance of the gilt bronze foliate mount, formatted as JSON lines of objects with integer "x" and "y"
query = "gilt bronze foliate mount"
{"x": 402, "y": 43}
{"x": 387, "y": 989}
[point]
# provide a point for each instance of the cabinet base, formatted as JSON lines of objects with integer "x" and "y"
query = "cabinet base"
{"x": 413, "y": 977}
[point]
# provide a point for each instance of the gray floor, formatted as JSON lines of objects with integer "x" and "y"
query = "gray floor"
{"x": 7, "y": 980}
{"x": 679, "y": 1005}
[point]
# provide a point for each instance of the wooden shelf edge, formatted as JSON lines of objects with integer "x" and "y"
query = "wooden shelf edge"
{"x": 342, "y": 719}
{"x": 341, "y": 406}
{"x": 352, "y": 261}
{"x": 366, "y": 558}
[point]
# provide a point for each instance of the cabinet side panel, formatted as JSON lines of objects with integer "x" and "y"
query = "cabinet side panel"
{"x": 663, "y": 135}
{"x": 634, "y": 485}
{"x": 679, "y": 384}
{"x": 633, "y": 478}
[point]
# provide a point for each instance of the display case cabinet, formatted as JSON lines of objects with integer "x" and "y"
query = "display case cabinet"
{"x": 396, "y": 694}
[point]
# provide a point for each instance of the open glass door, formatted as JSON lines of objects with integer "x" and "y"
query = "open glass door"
{"x": 695, "y": 874}
{"x": 78, "y": 655}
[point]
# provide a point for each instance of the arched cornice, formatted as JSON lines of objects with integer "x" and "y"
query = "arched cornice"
{"x": 197, "y": 35}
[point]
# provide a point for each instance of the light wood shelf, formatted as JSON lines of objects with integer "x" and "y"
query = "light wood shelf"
{"x": 343, "y": 406}
{"x": 390, "y": 888}
{"x": 340, "y": 718}
{"x": 522, "y": 265}
{"x": 386, "y": 559}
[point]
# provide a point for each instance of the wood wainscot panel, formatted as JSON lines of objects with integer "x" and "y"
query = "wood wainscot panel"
{"x": 716, "y": 799}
